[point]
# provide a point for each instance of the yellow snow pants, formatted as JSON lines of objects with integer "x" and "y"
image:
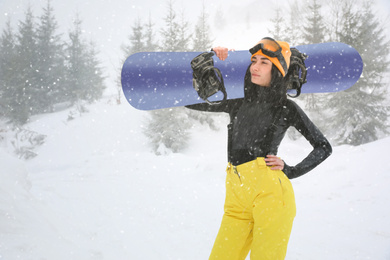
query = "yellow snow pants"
{"x": 258, "y": 213}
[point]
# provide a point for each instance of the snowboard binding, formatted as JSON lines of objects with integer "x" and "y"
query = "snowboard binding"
{"x": 207, "y": 79}
{"x": 297, "y": 72}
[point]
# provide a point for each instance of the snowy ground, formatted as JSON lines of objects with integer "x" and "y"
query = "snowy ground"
{"x": 95, "y": 191}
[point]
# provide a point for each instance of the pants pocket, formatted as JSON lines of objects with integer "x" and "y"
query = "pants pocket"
{"x": 288, "y": 196}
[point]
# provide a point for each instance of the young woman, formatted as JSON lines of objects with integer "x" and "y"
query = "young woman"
{"x": 260, "y": 206}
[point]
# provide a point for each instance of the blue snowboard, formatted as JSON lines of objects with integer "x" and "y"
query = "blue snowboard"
{"x": 154, "y": 80}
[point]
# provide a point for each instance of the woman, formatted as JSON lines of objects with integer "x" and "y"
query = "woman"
{"x": 260, "y": 206}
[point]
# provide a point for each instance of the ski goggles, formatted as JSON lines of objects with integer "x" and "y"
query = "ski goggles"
{"x": 272, "y": 49}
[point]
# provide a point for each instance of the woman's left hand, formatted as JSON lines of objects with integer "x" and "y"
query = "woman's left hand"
{"x": 275, "y": 162}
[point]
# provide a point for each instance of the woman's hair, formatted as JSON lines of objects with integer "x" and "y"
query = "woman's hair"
{"x": 276, "y": 93}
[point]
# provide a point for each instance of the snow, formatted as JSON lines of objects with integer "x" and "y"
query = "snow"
{"x": 95, "y": 191}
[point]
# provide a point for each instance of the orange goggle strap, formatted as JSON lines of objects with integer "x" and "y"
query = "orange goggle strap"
{"x": 265, "y": 46}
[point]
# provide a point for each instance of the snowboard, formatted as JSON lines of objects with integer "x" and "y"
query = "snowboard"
{"x": 155, "y": 80}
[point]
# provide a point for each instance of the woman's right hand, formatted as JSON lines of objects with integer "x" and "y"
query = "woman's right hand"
{"x": 221, "y": 52}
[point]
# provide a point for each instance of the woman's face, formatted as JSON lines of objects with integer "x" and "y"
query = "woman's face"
{"x": 261, "y": 71}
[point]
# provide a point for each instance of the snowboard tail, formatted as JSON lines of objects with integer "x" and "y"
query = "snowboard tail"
{"x": 155, "y": 80}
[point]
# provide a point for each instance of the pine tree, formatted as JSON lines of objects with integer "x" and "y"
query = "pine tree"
{"x": 150, "y": 44}
{"x": 314, "y": 32}
{"x": 75, "y": 63}
{"x": 183, "y": 34}
{"x": 84, "y": 75}
{"x": 94, "y": 89}
{"x": 50, "y": 61}
{"x": 141, "y": 38}
{"x": 293, "y": 28}
{"x": 334, "y": 19}
{"x": 171, "y": 32}
{"x": 26, "y": 92}
{"x": 360, "y": 113}
{"x": 167, "y": 130}
{"x": 8, "y": 88}
{"x": 314, "y": 29}
{"x": 278, "y": 31}
{"x": 202, "y": 41}
{"x": 136, "y": 39}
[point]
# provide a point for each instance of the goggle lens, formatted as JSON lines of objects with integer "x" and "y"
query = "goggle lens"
{"x": 268, "y": 46}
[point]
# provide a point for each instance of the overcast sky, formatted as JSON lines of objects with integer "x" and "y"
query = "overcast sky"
{"x": 107, "y": 22}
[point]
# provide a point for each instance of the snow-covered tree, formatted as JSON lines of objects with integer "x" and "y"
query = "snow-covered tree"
{"x": 26, "y": 91}
{"x": 150, "y": 38}
{"x": 175, "y": 35}
{"x": 278, "y": 32}
{"x": 314, "y": 31}
{"x": 84, "y": 77}
{"x": 293, "y": 29}
{"x": 334, "y": 19}
{"x": 201, "y": 40}
{"x": 167, "y": 130}
{"x": 142, "y": 38}
{"x": 184, "y": 36}
{"x": 38, "y": 72}
{"x": 75, "y": 63}
{"x": 50, "y": 61}
{"x": 170, "y": 32}
{"x": 360, "y": 113}
{"x": 136, "y": 39}
{"x": 9, "y": 92}
{"x": 94, "y": 89}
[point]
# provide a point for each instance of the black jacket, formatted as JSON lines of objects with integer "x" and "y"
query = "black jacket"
{"x": 249, "y": 136}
